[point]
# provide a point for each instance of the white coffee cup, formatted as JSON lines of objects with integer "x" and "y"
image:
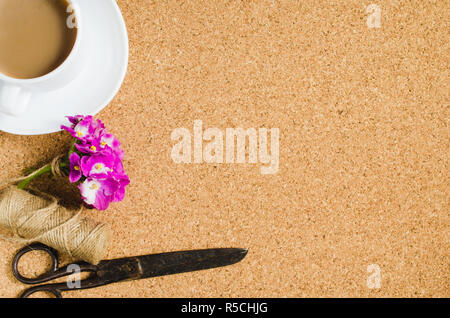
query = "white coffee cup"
{"x": 15, "y": 94}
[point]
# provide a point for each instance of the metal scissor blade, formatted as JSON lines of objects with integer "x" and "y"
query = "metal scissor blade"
{"x": 139, "y": 267}
{"x": 188, "y": 261}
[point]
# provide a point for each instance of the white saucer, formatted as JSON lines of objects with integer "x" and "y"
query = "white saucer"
{"x": 95, "y": 86}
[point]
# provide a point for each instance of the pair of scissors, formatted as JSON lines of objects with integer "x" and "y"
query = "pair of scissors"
{"x": 122, "y": 269}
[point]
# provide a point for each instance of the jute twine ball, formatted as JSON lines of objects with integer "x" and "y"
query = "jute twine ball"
{"x": 32, "y": 216}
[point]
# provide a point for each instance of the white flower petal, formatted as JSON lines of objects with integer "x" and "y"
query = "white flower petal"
{"x": 89, "y": 191}
{"x": 99, "y": 168}
{"x": 81, "y": 131}
{"x": 108, "y": 141}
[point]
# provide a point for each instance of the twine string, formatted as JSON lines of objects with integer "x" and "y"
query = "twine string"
{"x": 56, "y": 166}
{"x": 33, "y": 216}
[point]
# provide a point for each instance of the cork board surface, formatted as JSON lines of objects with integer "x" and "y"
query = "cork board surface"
{"x": 363, "y": 175}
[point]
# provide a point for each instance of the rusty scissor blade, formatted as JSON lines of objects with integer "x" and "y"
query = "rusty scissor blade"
{"x": 153, "y": 265}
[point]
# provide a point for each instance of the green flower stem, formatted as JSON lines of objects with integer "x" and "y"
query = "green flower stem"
{"x": 72, "y": 148}
{"x": 37, "y": 173}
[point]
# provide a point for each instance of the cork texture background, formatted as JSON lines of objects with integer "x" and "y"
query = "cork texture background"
{"x": 363, "y": 179}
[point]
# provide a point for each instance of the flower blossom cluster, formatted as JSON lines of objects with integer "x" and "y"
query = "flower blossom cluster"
{"x": 96, "y": 162}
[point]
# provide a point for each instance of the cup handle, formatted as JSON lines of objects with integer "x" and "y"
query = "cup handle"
{"x": 14, "y": 99}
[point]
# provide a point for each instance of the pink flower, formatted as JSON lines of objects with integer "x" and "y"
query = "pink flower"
{"x": 97, "y": 192}
{"x": 84, "y": 128}
{"x": 109, "y": 141}
{"x": 98, "y": 165}
{"x": 96, "y": 162}
{"x": 104, "y": 143}
{"x": 75, "y": 168}
{"x": 122, "y": 180}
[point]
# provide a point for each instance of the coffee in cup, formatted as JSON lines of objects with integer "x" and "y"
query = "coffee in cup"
{"x": 36, "y": 36}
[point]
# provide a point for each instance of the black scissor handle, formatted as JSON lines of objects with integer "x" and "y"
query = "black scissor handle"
{"x": 53, "y": 273}
{"x": 48, "y": 276}
{"x": 42, "y": 288}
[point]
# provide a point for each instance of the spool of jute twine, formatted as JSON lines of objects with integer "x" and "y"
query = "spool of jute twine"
{"x": 33, "y": 216}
